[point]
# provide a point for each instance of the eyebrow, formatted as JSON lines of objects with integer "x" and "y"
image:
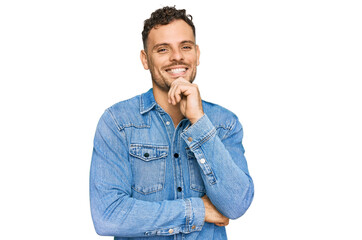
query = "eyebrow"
{"x": 188, "y": 41}
{"x": 167, "y": 44}
{"x": 160, "y": 44}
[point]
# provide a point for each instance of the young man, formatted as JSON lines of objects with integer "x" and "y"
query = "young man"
{"x": 167, "y": 165}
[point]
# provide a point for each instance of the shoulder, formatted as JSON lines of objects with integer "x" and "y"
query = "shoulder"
{"x": 126, "y": 113}
{"x": 129, "y": 105}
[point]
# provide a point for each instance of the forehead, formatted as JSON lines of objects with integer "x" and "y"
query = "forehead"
{"x": 175, "y": 32}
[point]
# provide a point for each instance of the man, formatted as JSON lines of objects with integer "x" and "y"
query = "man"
{"x": 167, "y": 165}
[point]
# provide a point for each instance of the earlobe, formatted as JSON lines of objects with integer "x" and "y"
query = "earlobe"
{"x": 143, "y": 57}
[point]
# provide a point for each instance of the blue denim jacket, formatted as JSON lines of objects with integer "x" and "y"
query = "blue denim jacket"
{"x": 147, "y": 177}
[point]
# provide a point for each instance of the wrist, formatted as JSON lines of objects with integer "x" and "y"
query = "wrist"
{"x": 196, "y": 118}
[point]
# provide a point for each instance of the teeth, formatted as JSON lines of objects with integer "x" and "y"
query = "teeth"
{"x": 177, "y": 70}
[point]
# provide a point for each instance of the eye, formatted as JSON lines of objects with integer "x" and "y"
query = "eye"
{"x": 161, "y": 50}
{"x": 187, "y": 47}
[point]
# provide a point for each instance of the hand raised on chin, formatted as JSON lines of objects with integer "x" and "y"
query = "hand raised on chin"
{"x": 188, "y": 96}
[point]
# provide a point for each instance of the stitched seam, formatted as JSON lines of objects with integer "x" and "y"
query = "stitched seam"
{"x": 188, "y": 213}
{"x": 222, "y": 126}
{"x": 132, "y": 125}
{"x": 230, "y": 130}
{"x": 148, "y": 146}
{"x": 146, "y": 193}
{"x": 205, "y": 139}
{"x": 114, "y": 119}
{"x": 119, "y": 127}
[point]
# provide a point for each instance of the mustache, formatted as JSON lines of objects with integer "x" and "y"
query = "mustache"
{"x": 176, "y": 64}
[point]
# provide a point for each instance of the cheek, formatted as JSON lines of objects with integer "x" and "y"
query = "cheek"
{"x": 193, "y": 59}
{"x": 158, "y": 64}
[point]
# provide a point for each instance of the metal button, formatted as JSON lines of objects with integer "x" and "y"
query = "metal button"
{"x": 193, "y": 227}
{"x": 170, "y": 231}
{"x": 202, "y": 160}
{"x": 189, "y": 139}
{"x": 176, "y": 155}
{"x": 167, "y": 123}
{"x": 146, "y": 155}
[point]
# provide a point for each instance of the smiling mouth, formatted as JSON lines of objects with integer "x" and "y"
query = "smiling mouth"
{"x": 176, "y": 70}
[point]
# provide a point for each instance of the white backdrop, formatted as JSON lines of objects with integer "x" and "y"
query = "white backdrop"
{"x": 289, "y": 69}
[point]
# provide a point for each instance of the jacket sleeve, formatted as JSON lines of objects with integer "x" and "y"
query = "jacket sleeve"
{"x": 222, "y": 165}
{"x": 114, "y": 211}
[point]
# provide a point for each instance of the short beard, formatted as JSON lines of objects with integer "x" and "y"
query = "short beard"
{"x": 163, "y": 84}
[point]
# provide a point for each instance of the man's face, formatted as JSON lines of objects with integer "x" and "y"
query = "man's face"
{"x": 171, "y": 53}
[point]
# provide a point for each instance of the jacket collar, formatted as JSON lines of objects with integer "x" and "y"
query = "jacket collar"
{"x": 147, "y": 101}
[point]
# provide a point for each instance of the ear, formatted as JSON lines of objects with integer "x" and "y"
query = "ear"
{"x": 198, "y": 54}
{"x": 143, "y": 57}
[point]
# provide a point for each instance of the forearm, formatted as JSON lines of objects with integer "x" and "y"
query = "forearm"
{"x": 229, "y": 188}
{"x": 124, "y": 216}
{"x": 223, "y": 167}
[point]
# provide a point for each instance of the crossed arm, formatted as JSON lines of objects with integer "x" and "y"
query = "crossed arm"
{"x": 228, "y": 185}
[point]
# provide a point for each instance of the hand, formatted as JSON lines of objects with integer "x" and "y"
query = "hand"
{"x": 212, "y": 215}
{"x": 188, "y": 96}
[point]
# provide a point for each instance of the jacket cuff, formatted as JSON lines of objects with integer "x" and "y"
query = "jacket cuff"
{"x": 198, "y": 133}
{"x": 194, "y": 219}
{"x": 195, "y": 214}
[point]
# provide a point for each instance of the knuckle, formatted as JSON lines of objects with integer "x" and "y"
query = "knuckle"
{"x": 174, "y": 82}
{"x": 195, "y": 88}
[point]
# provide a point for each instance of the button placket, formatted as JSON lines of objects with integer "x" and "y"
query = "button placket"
{"x": 178, "y": 169}
{"x": 167, "y": 121}
{"x": 178, "y": 144}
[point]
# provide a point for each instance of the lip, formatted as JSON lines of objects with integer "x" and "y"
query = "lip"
{"x": 176, "y": 74}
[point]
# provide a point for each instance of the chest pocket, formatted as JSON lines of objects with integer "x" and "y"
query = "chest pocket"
{"x": 196, "y": 182}
{"x": 148, "y": 163}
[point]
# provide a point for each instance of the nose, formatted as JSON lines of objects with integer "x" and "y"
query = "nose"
{"x": 176, "y": 55}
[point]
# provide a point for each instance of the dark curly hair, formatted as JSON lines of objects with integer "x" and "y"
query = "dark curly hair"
{"x": 164, "y": 16}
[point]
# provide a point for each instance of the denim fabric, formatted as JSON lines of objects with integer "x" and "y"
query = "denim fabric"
{"x": 147, "y": 177}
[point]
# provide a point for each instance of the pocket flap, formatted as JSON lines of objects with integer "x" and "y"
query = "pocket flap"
{"x": 148, "y": 152}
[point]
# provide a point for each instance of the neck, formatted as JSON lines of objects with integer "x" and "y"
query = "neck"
{"x": 161, "y": 98}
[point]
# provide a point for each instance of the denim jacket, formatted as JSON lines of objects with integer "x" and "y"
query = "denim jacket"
{"x": 147, "y": 177}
